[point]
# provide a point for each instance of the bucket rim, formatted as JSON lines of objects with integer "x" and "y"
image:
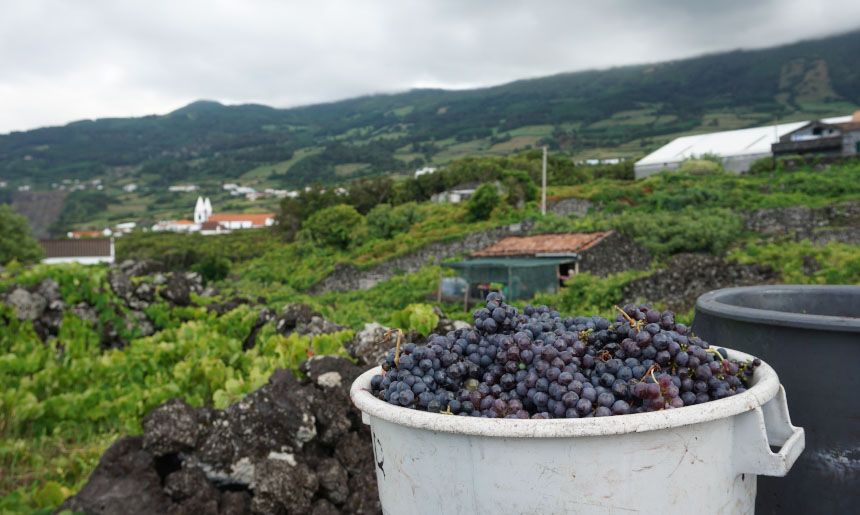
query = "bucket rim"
{"x": 765, "y": 385}
{"x": 710, "y": 303}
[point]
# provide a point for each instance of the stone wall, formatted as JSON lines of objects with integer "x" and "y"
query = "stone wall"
{"x": 687, "y": 276}
{"x": 571, "y": 206}
{"x": 614, "y": 253}
{"x": 292, "y": 446}
{"x": 806, "y": 222}
{"x": 346, "y": 277}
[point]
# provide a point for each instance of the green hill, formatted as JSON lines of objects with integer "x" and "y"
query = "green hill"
{"x": 623, "y": 111}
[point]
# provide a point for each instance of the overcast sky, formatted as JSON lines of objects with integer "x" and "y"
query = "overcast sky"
{"x": 65, "y": 60}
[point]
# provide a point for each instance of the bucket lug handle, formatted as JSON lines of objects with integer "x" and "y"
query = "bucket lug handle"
{"x": 757, "y": 430}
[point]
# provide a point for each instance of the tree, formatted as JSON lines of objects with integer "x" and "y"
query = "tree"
{"x": 481, "y": 204}
{"x": 15, "y": 239}
{"x": 333, "y": 226}
{"x": 385, "y": 221}
{"x": 366, "y": 193}
{"x": 519, "y": 187}
{"x": 212, "y": 268}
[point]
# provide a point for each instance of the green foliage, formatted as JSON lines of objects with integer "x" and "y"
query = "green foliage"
{"x": 763, "y": 165}
{"x": 212, "y": 268}
{"x": 589, "y": 295}
{"x": 15, "y": 239}
{"x": 805, "y": 263}
{"x": 384, "y": 221}
{"x": 334, "y": 226}
{"x": 665, "y": 233}
{"x": 418, "y": 317}
{"x": 519, "y": 187}
{"x": 482, "y": 202}
{"x": 689, "y": 230}
{"x": 694, "y": 166}
{"x": 182, "y": 251}
{"x": 62, "y": 402}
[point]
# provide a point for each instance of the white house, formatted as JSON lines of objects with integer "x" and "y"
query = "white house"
{"x": 425, "y": 170}
{"x": 176, "y": 226}
{"x": 125, "y": 227}
{"x": 739, "y": 148}
{"x": 128, "y": 188}
{"x": 84, "y": 251}
{"x": 183, "y": 188}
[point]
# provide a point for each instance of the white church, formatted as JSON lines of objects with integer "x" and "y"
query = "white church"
{"x": 206, "y": 222}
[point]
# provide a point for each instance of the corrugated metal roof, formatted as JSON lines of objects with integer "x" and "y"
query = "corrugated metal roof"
{"x": 543, "y": 244}
{"x": 756, "y": 140}
{"x": 91, "y": 247}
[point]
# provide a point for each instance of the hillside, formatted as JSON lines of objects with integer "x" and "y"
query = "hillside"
{"x": 86, "y": 353}
{"x": 623, "y": 111}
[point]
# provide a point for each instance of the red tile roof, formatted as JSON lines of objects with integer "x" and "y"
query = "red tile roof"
{"x": 255, "y": 219}
{"x": 181, "y": 222}
{"x": 543, "y": 244}
{"x": 210, "y": 226}
{"x": 91, "y": 247}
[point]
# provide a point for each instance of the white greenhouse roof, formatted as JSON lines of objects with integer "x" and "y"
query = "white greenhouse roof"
{"x": 756, "y": 140}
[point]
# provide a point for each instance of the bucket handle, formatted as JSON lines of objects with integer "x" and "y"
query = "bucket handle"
{"x": 758, "y": 429}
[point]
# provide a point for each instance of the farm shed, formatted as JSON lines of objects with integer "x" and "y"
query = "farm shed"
{"x": 823, "y": 139}
{"x": 739, "y": 148}
{"x": 521, "y": 266}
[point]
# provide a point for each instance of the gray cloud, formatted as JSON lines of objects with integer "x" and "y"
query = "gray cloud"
{"x": 62, "y": 61}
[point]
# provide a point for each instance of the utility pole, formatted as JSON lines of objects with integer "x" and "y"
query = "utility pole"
{"x": 543, "y": 186}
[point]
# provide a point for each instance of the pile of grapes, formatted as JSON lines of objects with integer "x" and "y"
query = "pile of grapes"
{"x": 536, "y": 364}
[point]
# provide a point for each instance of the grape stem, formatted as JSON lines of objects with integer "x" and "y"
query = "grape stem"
{"x": 633, "y": 323}
{"x": 715, "y": 351}
{"x": 604, "y": 355}
{"x": 650, "y": 372}
{"x": 386, "y": 335}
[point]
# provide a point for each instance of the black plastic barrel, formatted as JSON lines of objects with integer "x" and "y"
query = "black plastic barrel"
{"x": 811, "y": 336}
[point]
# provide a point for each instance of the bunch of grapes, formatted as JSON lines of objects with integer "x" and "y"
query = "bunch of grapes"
{"x": 537, "y": 364}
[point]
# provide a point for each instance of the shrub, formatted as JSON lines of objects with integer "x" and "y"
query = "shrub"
{"x": 15, "y": 240}
{"x": 519, "y": 187}
{"x": 384, "y": 221}
{"x": 213, "y": 268}
{"x": 763, "y": 165}
{"x": 333, "y": 226}
{"x": 688, "y": 230}
{"x": 481, "y": 204}
{"x": 700, "y": 167}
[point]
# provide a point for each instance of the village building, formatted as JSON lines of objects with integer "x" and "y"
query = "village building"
{"x": 459, "y": 193}
{"x": 821, "y": 138}
{"x": 86, "y": 251}
{"x": 739, "y": 149}
{"x": 183, "y": 188}
{"x": 176, "y": 226}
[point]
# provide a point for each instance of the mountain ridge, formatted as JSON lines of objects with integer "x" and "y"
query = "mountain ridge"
{"x": 622, "y": 111}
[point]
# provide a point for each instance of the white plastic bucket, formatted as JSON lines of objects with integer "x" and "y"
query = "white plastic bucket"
{"x": 697, "y": 459}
